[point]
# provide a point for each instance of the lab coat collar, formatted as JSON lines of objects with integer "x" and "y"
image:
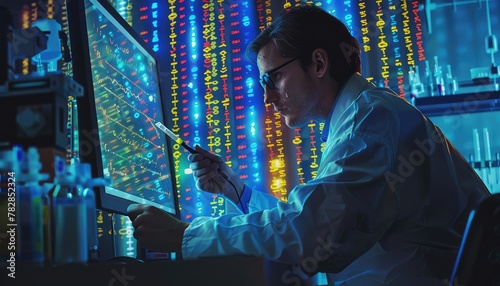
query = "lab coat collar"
{"x": 355, "y": 85}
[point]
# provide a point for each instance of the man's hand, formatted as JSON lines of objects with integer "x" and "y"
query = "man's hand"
{"x": 213, "y": 175}
{"x": 156, "y": 229}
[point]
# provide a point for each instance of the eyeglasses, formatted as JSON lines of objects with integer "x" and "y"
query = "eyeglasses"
{"x": 265, "y": 79}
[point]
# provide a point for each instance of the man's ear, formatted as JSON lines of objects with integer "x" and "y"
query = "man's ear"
{"x": 320, "y": 61}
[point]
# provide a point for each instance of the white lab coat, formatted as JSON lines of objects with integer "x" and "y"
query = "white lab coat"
{"x": 388, "y": 206}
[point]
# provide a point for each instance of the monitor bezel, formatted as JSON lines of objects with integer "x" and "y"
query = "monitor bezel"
{"x": 90, "y": 151}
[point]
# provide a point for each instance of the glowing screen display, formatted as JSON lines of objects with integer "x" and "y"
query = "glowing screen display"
{"x": 127, "y": 105}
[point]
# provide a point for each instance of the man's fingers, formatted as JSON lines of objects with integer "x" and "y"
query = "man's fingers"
{"x": 206, "y": 171}
{"x": 143, "y": 231}
{"x": 139, "y": 220}
{"x": 137, "y": 210}
{"x": 200, "y": 164}
{"x": 205, "y": 154}
{"x": 133, "y": 210}
{"x": 196, "y": 157}
{"x": 207, "y": 176}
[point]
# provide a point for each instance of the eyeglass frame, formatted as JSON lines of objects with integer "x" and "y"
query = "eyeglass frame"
{"x": 265, "y": 79}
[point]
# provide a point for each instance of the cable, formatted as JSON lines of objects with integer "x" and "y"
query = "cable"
{"x": 235, "y": 190}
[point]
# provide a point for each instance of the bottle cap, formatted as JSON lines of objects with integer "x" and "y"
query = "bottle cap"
{"x": 30, "y": 166}
{"x": 7, "y": 160}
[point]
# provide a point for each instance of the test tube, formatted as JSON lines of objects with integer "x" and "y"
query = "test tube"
{"x": 487, "y": 147}
{"x": 429, "y": 79}
{"x": 487, "y": 160}
{"x": 477, "y": 146}
{"x": 496, "y": 166}
{"x": 452, "y": 83}
{"x": 438, "y": 74}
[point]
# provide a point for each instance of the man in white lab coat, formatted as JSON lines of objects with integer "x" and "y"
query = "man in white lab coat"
{"x": 392, "y": 195}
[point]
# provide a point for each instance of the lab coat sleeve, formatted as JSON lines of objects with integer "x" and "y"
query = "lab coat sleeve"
{"x": 251, "y": 201}
{"x": 326, "y": 223}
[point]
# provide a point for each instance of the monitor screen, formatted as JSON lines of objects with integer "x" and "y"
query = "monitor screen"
{"x": 118, "y": 113}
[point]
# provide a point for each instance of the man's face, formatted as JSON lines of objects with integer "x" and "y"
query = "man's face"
{"x": 295, "y": 94}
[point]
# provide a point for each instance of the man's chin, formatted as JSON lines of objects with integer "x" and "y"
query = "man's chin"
{"x": 287, "y": 121}
{"x": 291, "y": 123}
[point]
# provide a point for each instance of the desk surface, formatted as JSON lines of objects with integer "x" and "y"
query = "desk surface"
{"x": 210, "y": 271}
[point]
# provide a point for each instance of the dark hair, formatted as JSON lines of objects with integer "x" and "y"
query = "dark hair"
{"x": 301, "y": 29}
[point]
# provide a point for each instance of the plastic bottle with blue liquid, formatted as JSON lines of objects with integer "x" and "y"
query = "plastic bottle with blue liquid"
{"x": 85, "y": 179}
{"x": 48, "y": 211}
{"x": 9, "y": 168}
{"x": 69, "y": 219}
{"x": 29, "y": 206}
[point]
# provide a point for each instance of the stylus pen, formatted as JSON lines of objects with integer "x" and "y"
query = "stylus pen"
{"x": 175, "y": 137}
{"x": 178, "y": 140}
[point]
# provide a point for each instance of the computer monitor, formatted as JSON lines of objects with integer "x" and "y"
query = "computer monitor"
{"x": 117, "y": 115}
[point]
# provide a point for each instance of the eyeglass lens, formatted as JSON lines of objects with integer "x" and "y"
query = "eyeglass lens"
{"x": 265, "y": 79}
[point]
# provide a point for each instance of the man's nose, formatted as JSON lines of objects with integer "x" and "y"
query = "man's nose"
{"x": 270, "y": 96}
